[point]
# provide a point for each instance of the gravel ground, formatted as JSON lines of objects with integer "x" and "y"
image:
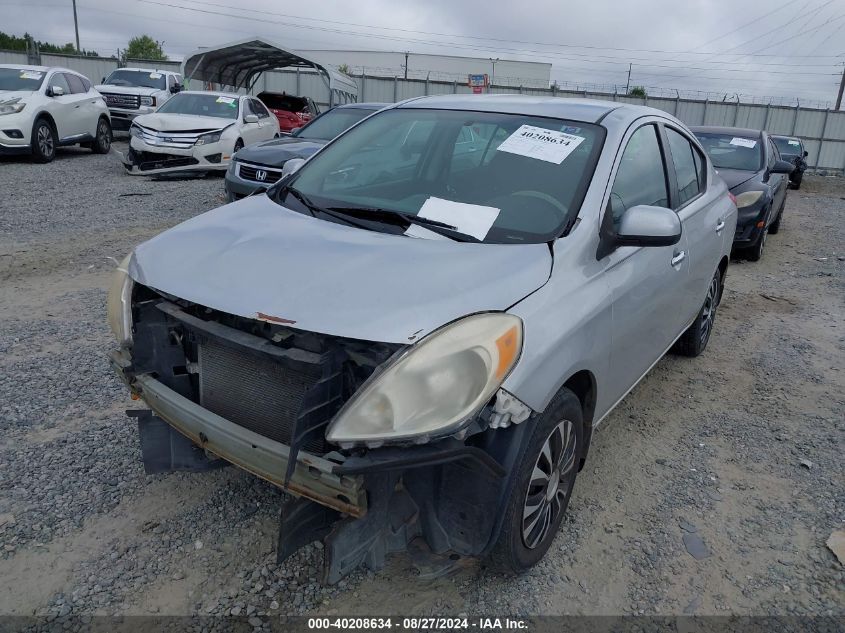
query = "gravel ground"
{"x": 704, "y": 456}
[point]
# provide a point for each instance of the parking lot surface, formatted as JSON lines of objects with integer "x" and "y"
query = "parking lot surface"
{"x": 710, "y": 490}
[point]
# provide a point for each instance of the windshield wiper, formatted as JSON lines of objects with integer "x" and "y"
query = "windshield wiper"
{"x": 437, "y": 226}
{"x": 313, "y": 209}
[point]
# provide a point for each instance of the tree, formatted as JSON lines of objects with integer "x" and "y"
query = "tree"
{"x": 144, "y": 47}
{"x": 18, "y": 43}
{"x": 638, "y": 91}
{"x": 344, "y": 68}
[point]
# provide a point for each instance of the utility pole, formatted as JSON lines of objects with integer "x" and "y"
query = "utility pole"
{"x": 841, "y": 90}
{"x": 76, "y": 27}
{"x": 406, "y": 64}
{"x": 493, "y": 76}
{"x": 628, "y": 84}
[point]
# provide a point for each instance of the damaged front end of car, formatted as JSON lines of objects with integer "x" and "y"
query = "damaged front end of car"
{"x": 357, "y": 431}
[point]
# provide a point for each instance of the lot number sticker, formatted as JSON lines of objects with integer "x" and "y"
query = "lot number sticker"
{"x": 542, "y": 144}
{"x": 155, "y": 75}
{"x": 31, "y": 75}
{"x": 796, "y": 143}
{"x": 743, "y": 142}
{"x": 228, "y": 100}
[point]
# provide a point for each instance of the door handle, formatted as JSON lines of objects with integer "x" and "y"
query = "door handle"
{"x": 720, "y": 225}
{"x": 677, "y": 258}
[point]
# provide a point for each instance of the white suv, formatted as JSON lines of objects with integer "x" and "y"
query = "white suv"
{"x": 131, "y": 92}
{"x": 42, "y": 108}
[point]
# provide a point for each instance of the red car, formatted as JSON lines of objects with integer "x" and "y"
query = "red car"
{"x": 292, "y": 112}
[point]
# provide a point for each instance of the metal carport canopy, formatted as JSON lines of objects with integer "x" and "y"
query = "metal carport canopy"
{"x": 239, "y": 64}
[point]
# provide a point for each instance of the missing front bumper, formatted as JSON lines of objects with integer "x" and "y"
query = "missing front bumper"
{"x": 313, "y": 477}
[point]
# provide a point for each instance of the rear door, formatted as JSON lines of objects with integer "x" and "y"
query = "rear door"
{"x": 84, "y": 104}
{"x": 702, "y": 216}
{"x": 648, "y": 284}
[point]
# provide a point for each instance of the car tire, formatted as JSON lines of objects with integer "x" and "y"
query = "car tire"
{"x": 102, "y": 142}
{"x": 755, "y": 253}
{"x": 239, "y": 144}
{"x": 544, "y": 480}
{"x": 694, "y": 341}
{"x": 43, "y": 141}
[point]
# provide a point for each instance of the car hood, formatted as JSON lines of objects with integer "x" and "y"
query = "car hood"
{"x": 182, "y": 122}
{"x": 14, "y": 95}
{"x": 735, "y": 177}
{"x": 127, "y": 90}
{"x": 256, "y": 259}
{"x": 276, "y": 152}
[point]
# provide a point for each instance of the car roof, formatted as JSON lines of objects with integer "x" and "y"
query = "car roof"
{"x": 788, "y": 138}
{"x": 735, "y": 131}
{"x": 364, "y": 106}
{"x": 41, "y": 69}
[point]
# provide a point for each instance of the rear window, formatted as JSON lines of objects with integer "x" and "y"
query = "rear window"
{"x": 288, "y": 103}
{"x": 728, "y": 151}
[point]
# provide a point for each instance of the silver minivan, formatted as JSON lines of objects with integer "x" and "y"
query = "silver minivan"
{"x": 417, "y": 332}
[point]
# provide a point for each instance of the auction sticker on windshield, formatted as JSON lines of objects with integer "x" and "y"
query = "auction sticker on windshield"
{"x": 31, "y": 75}
{"x": 542, "y": 144}
{"x": 229, "y": 100}
{"x": 743, "y": 142}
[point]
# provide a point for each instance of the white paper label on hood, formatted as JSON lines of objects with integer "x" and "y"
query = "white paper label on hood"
{"x": 31, "y": 74}
{"x": 542, "y": 144}
{"x": 743, "y": 142}
{"x": 229, "y": 100}
{"x": 155, "y": 75}
{"x": 471, "y": 219}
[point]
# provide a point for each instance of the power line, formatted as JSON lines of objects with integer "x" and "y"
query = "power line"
{"x": 739, "y": 28}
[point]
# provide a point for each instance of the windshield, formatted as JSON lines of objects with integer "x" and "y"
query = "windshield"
{"x": 788, "y": 146}
{"x": 500, "y": 178}
{"x": 332, "y": 123}
{"x": 137, "y": 78}
{"x": 732, "y": 152}
{"x": 20, "y": 79}
{"x": 219, "y": 106}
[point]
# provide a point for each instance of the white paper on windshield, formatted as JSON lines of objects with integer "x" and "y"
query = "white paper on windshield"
{"x": 26, "y": 74}
{"x": 415, "y": 230}
{"x": 229, "y": 100}
{"x": 155, "y": 75}
{"x": 796, "y": 143}
{"x": 542, "y": 144}
{"x": 471, "y": 219}
{"x": 743, "y": 142}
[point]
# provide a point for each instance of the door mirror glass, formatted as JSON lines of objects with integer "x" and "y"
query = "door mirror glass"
{"x": 292, "y": 166}
{"x": 782, "y": 167}
{"x": 645, "y": 225}
{"x": 806, "y": 153}
{"x": 251, "y": 118}
{"x": 56, "y": 91}
{"x": 175, "y": 88}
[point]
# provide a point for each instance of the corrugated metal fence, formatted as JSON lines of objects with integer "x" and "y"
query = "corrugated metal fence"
{"x": 823, "y": 131}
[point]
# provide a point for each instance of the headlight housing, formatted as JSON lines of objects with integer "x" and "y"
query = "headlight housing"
{"x": 134, "y": 130}
{"x": 205, "y": 139}
{"x": 433, "y": 389}
{"x": 12, "y": 108}
{"x": 748, "y": 198}
{"x": 148, "y": 101}
{"x": 119, "y": 303}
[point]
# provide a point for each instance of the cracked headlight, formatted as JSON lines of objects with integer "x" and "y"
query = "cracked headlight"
{"x": 119, "y": 303}
{"x": 748, "y": 198}
{"x": 435, "y": 387}
{"x": 205, "y": 139}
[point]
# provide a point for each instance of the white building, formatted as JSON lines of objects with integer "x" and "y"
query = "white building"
{"x": 504, "y": 72}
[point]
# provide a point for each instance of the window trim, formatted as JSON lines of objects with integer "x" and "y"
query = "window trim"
{"x": 675, "y": 191}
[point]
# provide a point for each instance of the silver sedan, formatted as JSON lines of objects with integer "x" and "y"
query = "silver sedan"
{"x": 417, "y": 332}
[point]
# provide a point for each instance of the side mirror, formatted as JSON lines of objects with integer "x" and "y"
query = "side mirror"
{"x": 175, "y": 88}
{"x": 649, "y": 226}
{"x": 56, "y": 91}
{"x": 806, "y": 153}
{"x": 294, "y": 130}
{"x": 251, "y": 118}
{"x": 782, "y": 167}
{"x": 103, "y": 81}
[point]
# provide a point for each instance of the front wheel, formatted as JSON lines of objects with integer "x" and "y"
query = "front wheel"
{"x": 755, "y": 253}
{"x": 239, "y": 144}
{"x": 542, "y": 487}
{"x": 43, "y": 141}
{"x": 694, "y": 340}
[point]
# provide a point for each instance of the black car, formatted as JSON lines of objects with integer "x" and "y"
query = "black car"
{"x": 751, "y": 166}
{"x": 261, "y": 164}
{"x": 792, "y": 149}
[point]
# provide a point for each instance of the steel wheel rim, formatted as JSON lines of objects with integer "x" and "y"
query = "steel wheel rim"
{"x": 708, "y": 312}
{"x": 548, "y": 488}
{"x": 45, "y": 140}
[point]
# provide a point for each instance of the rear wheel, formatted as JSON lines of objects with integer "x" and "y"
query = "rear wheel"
{"x": 542, "y": 487}
{"x": 796, "y": 184}
{"x": 694, "y": 340}
{"x": 102, "y": 141}
{"x": 43, "y": 141}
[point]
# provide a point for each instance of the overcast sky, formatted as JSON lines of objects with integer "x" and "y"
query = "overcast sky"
{"x": 785, "y": 48}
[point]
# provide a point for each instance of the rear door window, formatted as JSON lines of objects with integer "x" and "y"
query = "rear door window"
{"x": 686, "y": 172}
{"x": 75, "y": 83}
